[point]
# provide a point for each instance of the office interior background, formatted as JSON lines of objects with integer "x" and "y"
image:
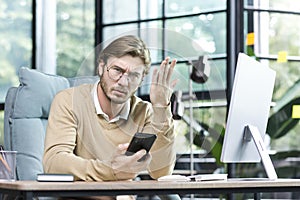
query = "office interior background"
{"x": 62, "y": 37}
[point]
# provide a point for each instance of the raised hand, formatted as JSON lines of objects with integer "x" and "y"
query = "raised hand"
{"x": 162, "y": 86}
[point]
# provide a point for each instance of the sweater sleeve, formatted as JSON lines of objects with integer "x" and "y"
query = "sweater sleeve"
{"x": 163, "y": 152}
{"x": 60, "y": 143}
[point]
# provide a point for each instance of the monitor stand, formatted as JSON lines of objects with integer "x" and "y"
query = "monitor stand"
{"x": 266, "y": 160}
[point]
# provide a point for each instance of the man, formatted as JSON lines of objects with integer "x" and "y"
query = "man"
{"x": 90, "y": 126}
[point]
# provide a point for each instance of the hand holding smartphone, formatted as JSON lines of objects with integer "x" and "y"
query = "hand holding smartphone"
{"x": 140, "y": 141}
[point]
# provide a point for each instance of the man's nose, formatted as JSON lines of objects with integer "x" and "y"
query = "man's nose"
{"x": 124, "y": 79}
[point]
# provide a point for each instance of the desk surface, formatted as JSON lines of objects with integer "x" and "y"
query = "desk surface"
{"x": 147, "y": 185}
{"x": 30, "y": 189}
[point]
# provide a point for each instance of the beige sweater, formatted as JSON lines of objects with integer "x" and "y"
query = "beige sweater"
{"x": 80, "y": 142}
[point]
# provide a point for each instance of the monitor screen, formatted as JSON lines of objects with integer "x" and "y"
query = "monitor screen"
{"x": 249, "y": 105}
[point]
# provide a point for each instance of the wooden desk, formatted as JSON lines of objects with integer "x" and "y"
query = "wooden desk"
{"x": 30, "y": 189}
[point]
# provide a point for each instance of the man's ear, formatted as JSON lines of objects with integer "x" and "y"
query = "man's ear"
{"x": 101, "y": 68}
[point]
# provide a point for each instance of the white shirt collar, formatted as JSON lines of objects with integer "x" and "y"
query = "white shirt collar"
{"x": 122, "y": 115}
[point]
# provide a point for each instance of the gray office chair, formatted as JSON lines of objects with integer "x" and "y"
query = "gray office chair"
{"x": 26, "y": 115}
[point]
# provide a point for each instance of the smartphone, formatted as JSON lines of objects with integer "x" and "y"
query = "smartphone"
{"x": 140, "y": 141}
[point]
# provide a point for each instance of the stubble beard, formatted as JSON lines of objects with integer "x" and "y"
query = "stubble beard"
{"x": 112, "y": 99}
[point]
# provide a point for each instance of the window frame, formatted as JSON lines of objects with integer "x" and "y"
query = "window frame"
{"x": 201, "y": 95}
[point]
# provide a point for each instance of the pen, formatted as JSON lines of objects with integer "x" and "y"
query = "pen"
{"x": 3, "y": 160}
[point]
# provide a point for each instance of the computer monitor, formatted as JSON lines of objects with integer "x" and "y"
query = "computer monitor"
{"x": 248, "y": 115}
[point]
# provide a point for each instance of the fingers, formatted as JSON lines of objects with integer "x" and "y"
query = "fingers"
{"x": 163, "y": 70}
{"x": 171, "y": 69}
{"x": 140, "y": 156}
{"x": 163, "y": 76}
{"x": 136, "y": 156}
{"x": 127, "y": 167}
{"x": 121, "y": 149}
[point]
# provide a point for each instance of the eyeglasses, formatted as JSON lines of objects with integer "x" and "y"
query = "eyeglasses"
{"x": 116, "y": 73}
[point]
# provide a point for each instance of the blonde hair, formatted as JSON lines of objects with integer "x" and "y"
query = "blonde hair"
{"x": 127, "y": 45}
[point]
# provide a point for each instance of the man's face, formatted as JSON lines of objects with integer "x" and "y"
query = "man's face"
{"x": 120, "y": 77}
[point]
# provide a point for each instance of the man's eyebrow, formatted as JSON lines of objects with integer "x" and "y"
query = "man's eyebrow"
{"x": 119, "y": 67}
{"x": 137, "y": 68}
{"x": 134, "y": 71}
{"x": 125, "y": 69}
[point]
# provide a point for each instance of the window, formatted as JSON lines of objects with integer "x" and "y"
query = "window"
{"x": 15, "y": 45}
{"x": 61, "y": 31}
{"x": 15, "y": 42}
{"x": 75, "y": 38}
{"x": 183, "y": 31}
{"x": 276, "y": 44}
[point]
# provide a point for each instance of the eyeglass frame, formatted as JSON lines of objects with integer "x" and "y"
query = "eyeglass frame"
{"x": 122, "y": 74}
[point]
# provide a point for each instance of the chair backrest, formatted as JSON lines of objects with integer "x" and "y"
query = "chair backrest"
{"x": 26, "y": 115}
